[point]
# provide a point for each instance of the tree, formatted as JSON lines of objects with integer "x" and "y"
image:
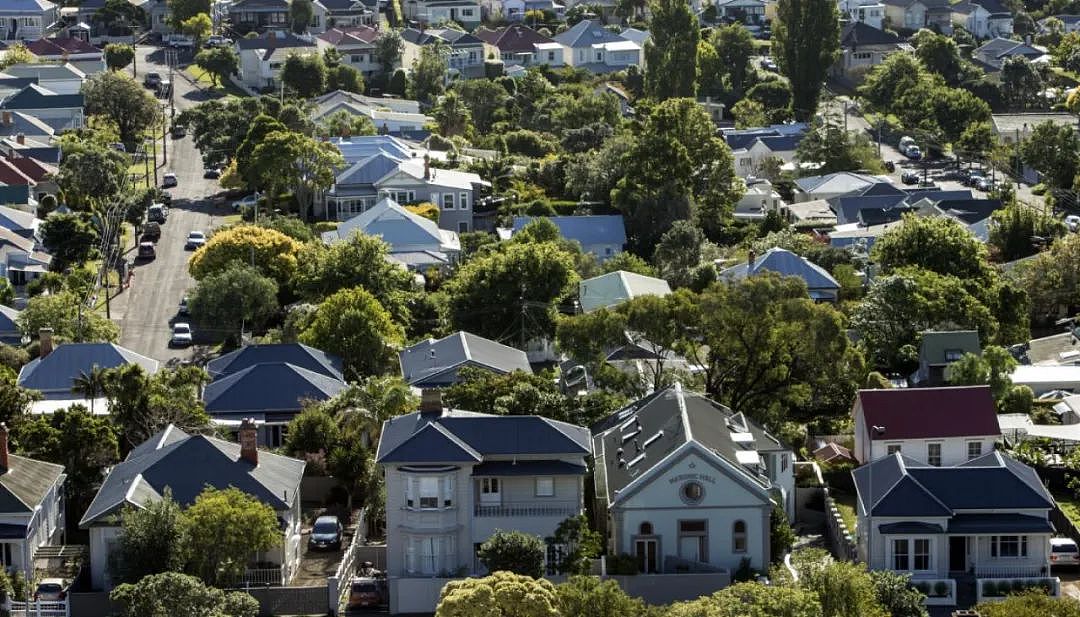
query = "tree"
{"x": 941, "y": 55}
{"x": 91, "y": 173}
{"x": 844, "y": 589}
{"x": 588, "y": 596}
{"x": 956, "y": 110}
{"x": 429, "y": 70}
{"x": 887, "y": 81}
{"x": 939, "y": 244}
{"x": 198, "y": 27}
{"x": 14, "y": 400}
{"x": 60, "y": 311}
{"x": 1016, "y": 228}
{"x": 581, "y": 543}
{"x": 71, "y": 239}
{"x": 671, "y": 51}
{"x": 272, "y": 253}
{"x": 895, "y": 593}
{"x": 363, "y": 407}
{"x": 806, "y": 41}
{"x": 628, "y": 262}
{"x": 775, "y": 97}
{"x": 781, "y": 535}
{"x": 513, "y": 551}
{"x": 451, "y": 115}
{"x": 1033, "y": 604}
{"x": 90, "y": 384}
{"x": 992, "y": 368}
{"x": 679, "y": 253}
{"x": 219, "y": 62}
{"x": 1020, "y": 82}
{"x": 261, "y": 126}
{"x": 352, "y": 464}
{"x": 734, "y": 47}
{"x": 1055, "y": 152}
{"x": 345, "y": 78}
{"x": 172, "y": 593}
{"x": 121, "y": 99}
{"x": 118, "y": 55}
{"x": 312, "y": 431}
{"x": 752, "y": 600}
{"x": 1050, "y": 278}
{"x": 748, "y": 113}
{"x": 183, "y": 10}
{"x": 152, "y": 540}
{"x": 511, "y": 294}
{"x": 237, "y": 297}
{"x": 352, "y": 324}
{"x": 502, "y": 594}
{"x": 306, "y": 166}
{"x": 485, "y": 99}
{"x": 226, "y": 529}
{"x": 344, "y": 124}
{"x": 388, "y": 46}
{"x": 304, "y": 74}
{"x": 142, "y": 405}
{"x": 359, "y": 261}
{"x": 17, "y": 54}
{"x": 831, "y": 150}
{"x": 301, "y": 12}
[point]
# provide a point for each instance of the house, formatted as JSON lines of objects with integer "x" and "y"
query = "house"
{"x": 296, "y": 354}
{"x": 54, "y": 371}
{"x": 614, "y": 288}
{"x": 60, "y": 111}
{"x": 455, "y": 477}
{"x": 26, "y": 20}
{"x": 414, "y": 241}
{"x": 1044, "y": 378}
{"x": 32, "y": 508}
{"x": 833, "y": 453}
{"x": 938, "y": 350}
{"x": 821, "y": 286}
{"x": 973, "y": 18}
{"x": 749, "y": 12}
{"x": 985, "y": 519}
{"x": 999, "y": 21}
{"x": 158, "y": 14}
{"x": 259, "y": 15}
{"x": 862, "y": 47}
{"x": 186, "y": 465}
{"x": 917, "y": 14}
{"x": 390, "y": 116}
{"x": 757, "y": 200}
{"x": 993, "y": 54}
{"x": 20, "y": 222}
{"x": 589, "y": 45}
{"x": 751, "y": 148}
{"x": 937, "y": 426}
{"x": 42, "y": 176}
{"x": 14, "y": 124}
{"x": 21, "y": 259}
{"x": 810, "y": 188}
{"x": 973, "y": 214}
{"x": 10, "y": 333}
{"x": 869, "y": 12}
{"x": 1014, "y": 128}
{"x": 683, "y": 484}
{"x": 519, "y": 45}
{"x": 1071, "y": 23}
{"x": 261, "y": 58}
{"x": 83, "y": 56}
{"x": 603, "y": 235}
{"x": 1053, "y": 350}
{"x": 466, "y": 51}
{"x": 343, "y": 14}
{"x": 466, "y": 13}
{"x": 435, "y": 363}
{"x": 356, "y": 44}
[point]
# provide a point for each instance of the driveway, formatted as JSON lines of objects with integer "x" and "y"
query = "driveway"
{"x": 158, "y": 286}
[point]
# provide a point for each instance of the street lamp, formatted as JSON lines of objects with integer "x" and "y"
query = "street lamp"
{"x": 877, "y": 431}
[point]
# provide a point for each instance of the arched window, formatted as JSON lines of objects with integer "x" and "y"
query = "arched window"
{"x": 738, "y": 537}
{"x": 645, "y": 529}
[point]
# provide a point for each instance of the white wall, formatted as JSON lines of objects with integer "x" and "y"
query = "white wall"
{"x": 102, "y": 541}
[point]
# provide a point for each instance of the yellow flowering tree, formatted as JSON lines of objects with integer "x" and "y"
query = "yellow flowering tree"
{"x": 503, "y": 594}
{"x": 270, "y": 251}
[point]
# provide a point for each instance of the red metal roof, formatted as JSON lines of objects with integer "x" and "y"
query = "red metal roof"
{"x": 928, "y": 413}
{"x": 60, "y": 46}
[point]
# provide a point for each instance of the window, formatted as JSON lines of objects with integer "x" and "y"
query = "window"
{"x": 901, "y": 562}
{"x": 463, "y": 227}
{"x": 463, "y": 201}
{"x": 356, "y": 59}
{"x": 974, "y": 449}
{"x": 489, "y": 491}
{"x": 694, "y": 541}
{"x": 645, "y": 529}
{"x": 692, "y": 493}
{"x": 892, "y": 449}
{"x": 952, "y": 355}
{"x": 1008, "y": 546}
{"x": 933, "y": 454}
{"x": 448, "y": 201}
{"x": 551, "y": 56}
{"x": 428, "y": 492}
{"x": 430, "y": 555}
{"x": 738, "y": 537}
{"x": 545, "y": 487}
{"x": 467, "y": 12}
{"x": 921, "y": 557}
{"x": 472, "y": 57}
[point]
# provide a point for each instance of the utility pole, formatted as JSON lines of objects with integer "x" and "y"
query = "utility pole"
{"x": 524, "y": 316}
{"x": 154, "y": 141}
{"x": 164, "y": 140}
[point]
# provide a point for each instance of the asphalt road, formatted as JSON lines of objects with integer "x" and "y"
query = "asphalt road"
{"x": 150, "y": 307}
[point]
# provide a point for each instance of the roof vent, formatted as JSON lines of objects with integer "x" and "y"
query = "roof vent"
{"x": 637, "y": 459}
{"x": 652, "y": 440}
{"x": 621, "y": 462}
{"x": 738, "y": 423}
{"x": 627, "y": 437}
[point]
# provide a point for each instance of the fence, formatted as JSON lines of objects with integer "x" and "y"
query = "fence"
{"x": 289, "y": 600}
{"x": 338, "y": 584}
{"x": 528, "y": 508}
{"x": 39, "y": 609}
{"x": 841, "y": 539}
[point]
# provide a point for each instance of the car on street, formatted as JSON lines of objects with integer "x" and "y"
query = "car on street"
{"x": 326, "y": 534}
{"x": 146, "y": 251}
{"x": 179, "y": 131}
{"x": 169, "y": 180}
{"x": 217, "y": 41}
{"x": 180, "y": 41}
{"x": 1064, "y": 552}
{"x": 365, "y": 592}
{"x": 157, "y": 213}
{"x": 151, "y": 80}
{"x": 151, "y": 232}
{"x": 212, "y": 174}
{"x": 183, "y": 308}
{"x": 984, "y": 184}
{"x": 246, "y": 202}
{"x": 973, "y": 179}
{"x": 51, "y": 590}
{"x": 1072, "y": 222}
{"x": 909, "y": 177}
{"x": 181, "y": 335}
{"x": 769, "y": 65}
{"x": 194, "y": 240}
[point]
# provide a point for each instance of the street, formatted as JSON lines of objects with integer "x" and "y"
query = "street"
{"x": 147, "y": 313}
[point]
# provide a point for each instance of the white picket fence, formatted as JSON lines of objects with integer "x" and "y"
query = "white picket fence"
{"x": 40, "y": 609}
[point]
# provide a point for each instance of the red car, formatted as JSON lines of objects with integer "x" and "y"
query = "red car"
{"x": 365, "y": 593}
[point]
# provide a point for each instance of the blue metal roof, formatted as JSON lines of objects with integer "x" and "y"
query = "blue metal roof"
{"x": 786, "y": 263}
{"x": 56, "y": 372}
{"x": 433, "y": 363}
{"x": 271, "y": 387}
{"x": 296, "y": 354}
{"x": 999, "y": 523}
{"x": 371, "y": 170}
{"x": 529, "y": 468}
{"x": 587, "y": 230}
{"x": 36, "y": 97}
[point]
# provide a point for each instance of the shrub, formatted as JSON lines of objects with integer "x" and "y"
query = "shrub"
{"x": 530, "y": 143}
{"x": 623, "y": 564}
{"x": 513, "y": 551}
{"x": 941, "y": 589}
{"x": 745, "y": 572}
{"x": 989, "y": 589}
{"x": 924, "y": 588}
{"x": 1018, "y": 586}
{"x": 540, "y": 207}
{"x": 425, "y": 209}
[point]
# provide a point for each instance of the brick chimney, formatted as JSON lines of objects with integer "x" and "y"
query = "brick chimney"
{"x": 431, "y": 402}
{"x": 7, "y": 118}
{"x": 249, "y": 441}
{"x": 45, "y": 342}
{"x": 3, "y": 448}
{"x": 750, "y": 258}
{"x": 21, "y": 139}
{"x": 427, "y": 167}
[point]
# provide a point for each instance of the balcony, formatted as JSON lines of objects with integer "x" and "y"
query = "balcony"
{"x": 527, "y": 508}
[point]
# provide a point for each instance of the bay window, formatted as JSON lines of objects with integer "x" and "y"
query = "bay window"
{"x": 1008, "y": 546}
{"x": 429, "y": 492}
{"x": 430, "y": 555}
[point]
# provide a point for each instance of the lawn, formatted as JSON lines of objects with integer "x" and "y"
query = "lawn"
{"x": 203, "y": 80}
{"x": 1069, "y": 507}
{"x": 845, "y": 503}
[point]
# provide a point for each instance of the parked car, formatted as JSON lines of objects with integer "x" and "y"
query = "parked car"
{"x": 169, "y": 180}
{"x": 52, "y": 590}
{"x": 183, "y": 308}
{"x": 157, "y": 213}
{"x": 1072, "y": 222}
{"x": 151, "y": 80}
{"x": 365, "y": 593}
{"x": 179, "y": 131}
{"x": 246, "y": 202}
{"x": 984, "y": 184}
{"x": 217, "y": 41}
{"x": 194, "y": 240}
{"x": 909, "y": 177}
{"x": 212, "y": 174}
{"x": 146, "y": 251}
{"x": 912, "y": 152}
{"x": 973, "y": 178}
{"x": 326, "y": 534}
{"x": 1064, "y": 552}
{"x": 181, "y": 41}
{"x": 769, "y": 65}
{"x": 151, "y": 232}
{"x": 181, "y": 335}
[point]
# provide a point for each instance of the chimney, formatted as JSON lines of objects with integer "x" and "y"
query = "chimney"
{"x": 3, "y": 448}
{"x": 7, "y": 118}
{"x": 271, "y": 35}
{"x": 750, "y": 258}
{"x": 20, "y": 139}
{"x": 249, "y": 441}
{"x": 431, "y": 401}
{"x": 427, "y": 167}
{"x": 45, "y": 342}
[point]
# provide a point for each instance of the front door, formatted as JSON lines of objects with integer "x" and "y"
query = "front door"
{"x": 645, "y": 551}
{"x": 958, "y": 554}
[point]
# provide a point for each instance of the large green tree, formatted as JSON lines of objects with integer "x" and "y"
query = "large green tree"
{"x": 671, "y": 51}
{"x": 358, "y": 261}
{"x": 940, "y": 244}
{"x": 182, "y": 10}
{"x": 502, "y": 594}
{"x": 90, "y": 174}
{"x": 513, "y": 551}
{"x": 429, "y": 70}
{"x": 152, "y": 540}
{"x": 306, "y": 166}
{"x": 170, "y": 593}
{"x": 752, "y": 600}
{"x": 238, "y": 297}
{"x": 70, "y": 238}
{"x": 62, "y": 312}
{"x": 1052, "y": 279}
{"x": 352, "y": 324}
{"x": 806, "y": 41}
{"x": 301, "y": 12}
{"x": 226, "y": 529}
{"x": 734, "y": 47}
{"x": 219, "y": 62}
{"x": 268, "y": 250}
{"x": 118, "y": 55}
{"x": 121, "y": 99}
{"x": 304, "y": 74}
{"x": 1055, "y": 151}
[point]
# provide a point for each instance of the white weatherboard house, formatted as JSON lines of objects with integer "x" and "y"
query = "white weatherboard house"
{"x": 31, "y": 508}
{"x": 687, "y": 485}
{"x": 614, "y": 288}
{"x": 454, "y": 477}
{"x": 936, "y": 426}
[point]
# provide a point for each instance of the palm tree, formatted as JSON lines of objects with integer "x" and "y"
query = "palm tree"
{"x": 90, "y": 384}
{"x": 363, "y": 407}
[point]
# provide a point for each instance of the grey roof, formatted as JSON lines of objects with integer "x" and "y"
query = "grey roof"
{"x": 994, "y": 7}
{"x": 435, "y": 362}
{"x": 616, "y": 287}
{"x": 36, "y": 97}
{"x": 277, "y": 42}
{"x": 650, "y": 429}
{"x": 56, "y": 372}
{"x": 857, "y": 34}
{"x": 936, "y": 342}
{"x": 455, "y": 38}
{"x": 465, "y": 436}
{"x": 187, "y": 464}
{"x": 785, "y": 263}
{"x": 9, "y": 319}
{"x": 1010, "y": 123}
{"x": 42, "y": 72}
{"x": 16, "y": 220}
{"x": 268, "y": 387}
{"x": 586, "y": 33}
{"x": 26, "y": 6}
{"x": 588, "y": 230}
{"x": 25, "y": 483}
{"x": 296, "y": 354}
{"x": 904, "y": 487}
{"x": 399, "y": 228}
